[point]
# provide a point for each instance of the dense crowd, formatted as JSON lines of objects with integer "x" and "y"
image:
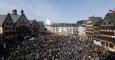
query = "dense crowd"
{"x": 54, "y": 47}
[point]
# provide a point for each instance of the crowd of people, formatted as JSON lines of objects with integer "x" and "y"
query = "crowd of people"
{"x": 55, "y": 47}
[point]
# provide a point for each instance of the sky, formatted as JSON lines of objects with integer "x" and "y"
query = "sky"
{"x": 58, "y": 10}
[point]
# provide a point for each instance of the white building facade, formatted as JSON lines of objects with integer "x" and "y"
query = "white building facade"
{"x": 81, "y": 31}
{"x": 64, "y": 28}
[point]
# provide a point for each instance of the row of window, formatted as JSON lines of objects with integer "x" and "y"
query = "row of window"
{"x": 8, "y": 33}
{"x": 105, "y": 23}
{"x": 9, "y": 28}
{"x": 107, "y": 28}
{"x": 107, "y": 33}
{"x": 22, "y": 22}
{"x": 9, "y": 24}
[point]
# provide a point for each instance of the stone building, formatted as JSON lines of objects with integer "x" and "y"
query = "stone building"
{"x": 7, "y": 28}
{"x": 107, "y": 30}
{"x": 22, "y": 25}
{"x": 13, "y": 27}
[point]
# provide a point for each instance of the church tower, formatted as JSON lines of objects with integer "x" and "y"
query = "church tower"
{"x": 48, "y": 24}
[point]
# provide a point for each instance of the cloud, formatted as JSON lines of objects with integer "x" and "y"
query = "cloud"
{"x": 34, "y": 9}
{"x": 58, "y": 10}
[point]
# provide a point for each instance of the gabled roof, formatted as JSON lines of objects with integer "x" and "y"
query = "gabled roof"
{"x": 15, "y": 17}
{"x": 110, "y": 16}
{"x": 2, "y": 18}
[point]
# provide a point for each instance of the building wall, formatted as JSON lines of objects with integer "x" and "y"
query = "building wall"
{"x": 89, "y": 29}
{"x": 81, "y": 31}
{"x": 23, "y": 21}
{"x": 64, "y": 30}
{"x": 96, "y": 32}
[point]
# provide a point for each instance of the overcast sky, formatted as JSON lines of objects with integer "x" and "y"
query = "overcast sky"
{"x": 58, "y": 10}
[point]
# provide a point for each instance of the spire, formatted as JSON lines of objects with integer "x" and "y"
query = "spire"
{"x": 22, "y": 12}
{"x": 48, "y": 22}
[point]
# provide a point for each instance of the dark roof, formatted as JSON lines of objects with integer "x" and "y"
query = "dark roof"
{"x": 94, "y": 19}
{"x": 81, "y": 23}
{"x": 15, "y": 17}
{"x": 40, "y": 23}
{"x": 2, "y": 18}
{"x": 98, "y": 22}
{"x": 110, "y": 16}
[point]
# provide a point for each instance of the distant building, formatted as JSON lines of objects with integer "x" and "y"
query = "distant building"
{"x": 14, "y": 27}
{"x": 64, "y": 28}
{"x": 34, "y": 26}
{"x": 41, "y": 26}
{"x": 89, "y": 26}
{"x": 96, "y": 29}
{"x": 81, "y": 28}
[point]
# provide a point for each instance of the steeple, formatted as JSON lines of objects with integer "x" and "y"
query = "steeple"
{"x": 48, "y": 22}
{"x": 22, "y": 12}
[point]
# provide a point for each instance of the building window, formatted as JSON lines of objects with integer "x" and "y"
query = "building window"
{"x": 9, "y": 28}
{"x": 109, "y": 22}
{"x": 5, "y": 28}
{"x": 10, "y": 23}
{"x": 104, "y": 23}
{"x": 7, "y": 24}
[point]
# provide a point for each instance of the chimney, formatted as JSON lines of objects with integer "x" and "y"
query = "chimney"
{"x": 14, "y": 12}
